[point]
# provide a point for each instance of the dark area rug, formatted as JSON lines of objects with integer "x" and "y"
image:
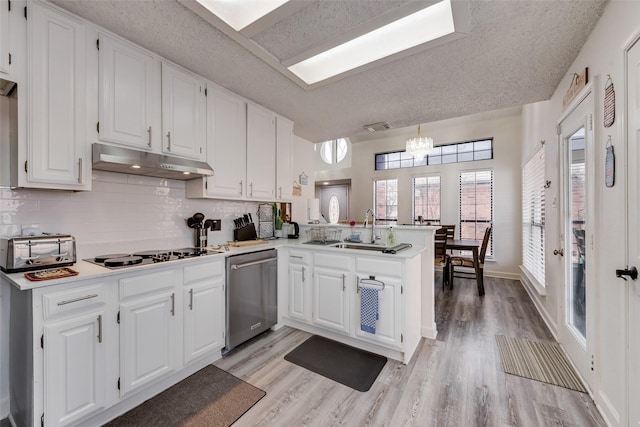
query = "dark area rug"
{"x": 347, "y": 365}
{"x": 538, "y": 360}
{"x": 211, "y": 397}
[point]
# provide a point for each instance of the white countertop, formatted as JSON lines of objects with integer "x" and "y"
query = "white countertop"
{"x": 87, "y": 270}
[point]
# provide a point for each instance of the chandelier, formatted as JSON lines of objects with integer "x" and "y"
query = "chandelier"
{"x": 419, "y": 147}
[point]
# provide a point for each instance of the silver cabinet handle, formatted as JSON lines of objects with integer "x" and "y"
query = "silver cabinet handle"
{"x": 69, "y": 301}
{"x": 169, "y": 141}
{"x": 241, "y": 188}
{"x": 249, "y": 264}
{"x": 251, "y": 189}
{"x": 100, "y": 328}
{"x": 344, "y": 276}
{"x": 80, "y": 170}
{"x": 280, "y": 191}
{"x": 173, "y": 304}
{"x": 191, "y": 299}
{"x": 303, "y": 274}
{"x": 149, "y": 141}
{"x": 295, "y": 256}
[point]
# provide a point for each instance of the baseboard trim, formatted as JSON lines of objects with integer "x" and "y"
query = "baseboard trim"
{"x": 502, "y": 275}
{"x": 535, "y": 297}
{"x": 429, "y": 333}
{"x": 4, "y": 407}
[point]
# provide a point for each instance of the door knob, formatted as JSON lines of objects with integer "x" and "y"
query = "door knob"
{"x": 631, "y": 272}
{"x": 558, "y": 252}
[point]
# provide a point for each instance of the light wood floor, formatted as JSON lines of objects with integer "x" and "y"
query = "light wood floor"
{"x": 456, "y": 380}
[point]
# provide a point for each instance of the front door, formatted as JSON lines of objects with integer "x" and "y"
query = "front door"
{"x": 633, "y": 228}
{"x": 334, "y": 203}
{"x": 576, "y": 142}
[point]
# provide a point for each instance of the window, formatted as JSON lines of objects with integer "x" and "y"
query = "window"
{"x": 334, "y": 151}
{"x": 533, "y": 183}
{"x": 385, "y": 197}
{"x": 426, "y": 198}
{"x": 476, "y": 205}
{"x": 449, "y": 153}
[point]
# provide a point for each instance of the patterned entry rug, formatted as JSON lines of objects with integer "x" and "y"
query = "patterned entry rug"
{"x": 537, "y": 360}
{"x": 209, "y": 398}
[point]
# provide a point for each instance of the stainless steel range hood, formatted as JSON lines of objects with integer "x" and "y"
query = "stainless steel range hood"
{"x": 135, "y": 162}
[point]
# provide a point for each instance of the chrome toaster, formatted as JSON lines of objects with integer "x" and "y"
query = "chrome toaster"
{"x": 24, "y": 253}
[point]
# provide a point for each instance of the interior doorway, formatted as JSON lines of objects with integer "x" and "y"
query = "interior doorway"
{"x": 334, "y": 200}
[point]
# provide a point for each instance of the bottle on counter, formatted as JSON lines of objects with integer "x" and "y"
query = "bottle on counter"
{"x": 391, "y": 237}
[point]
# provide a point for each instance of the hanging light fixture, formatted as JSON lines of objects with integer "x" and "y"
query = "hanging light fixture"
{"x": 419, "y": 147}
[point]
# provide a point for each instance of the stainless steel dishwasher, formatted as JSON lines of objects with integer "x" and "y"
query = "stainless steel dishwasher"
{"x": 252, "y": 295}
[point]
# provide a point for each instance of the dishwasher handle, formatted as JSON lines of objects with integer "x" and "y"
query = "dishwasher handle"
{"x": 249, "y": 264}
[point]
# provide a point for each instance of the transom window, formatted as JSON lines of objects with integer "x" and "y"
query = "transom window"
{"x": 385, "y": 195}
{"x": 450, "y": 153}
{"x": 426, "y": 198}
{"x": 334, "y": 151}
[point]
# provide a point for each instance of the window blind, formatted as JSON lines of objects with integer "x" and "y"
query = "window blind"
{"x": 533, "y": 216}
{"x": 476, "y": 205}
{"x": 426, "y": 198}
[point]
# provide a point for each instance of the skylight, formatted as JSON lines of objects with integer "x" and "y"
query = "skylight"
{"x": 240, "y": 13}
{"x": 421, "y": 27}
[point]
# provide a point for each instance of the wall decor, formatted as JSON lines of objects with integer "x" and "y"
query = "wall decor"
{"x": 578, "y": 81}
{"x": 297, "y": 189}
{"x": 609, "y": 102}
{"x": 609, "y": 165}
{"x": 303, "y": 178}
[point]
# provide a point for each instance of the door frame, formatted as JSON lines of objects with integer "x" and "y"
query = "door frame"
{"x": 582, "y": 359}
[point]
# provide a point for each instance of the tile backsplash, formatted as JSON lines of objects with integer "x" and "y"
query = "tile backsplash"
{"x": 123, "y": 213}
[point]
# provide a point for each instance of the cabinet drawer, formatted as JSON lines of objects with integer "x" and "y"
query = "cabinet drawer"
{"x": 299, "y": 257}
{"x": 147, "y": 283}
{"x": 331, "y": 260}
{"x": 200, "y": 272}
{"x": 373, "y": 266}
{"x": 83, "y": 297}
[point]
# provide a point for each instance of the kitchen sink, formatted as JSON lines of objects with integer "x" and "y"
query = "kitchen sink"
{"x": 360, "y": 246}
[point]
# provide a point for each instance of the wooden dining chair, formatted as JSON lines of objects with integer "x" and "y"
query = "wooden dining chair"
{"x": 441, "y": 258}
{"x": 451, "y": 231}
{"x": 467, "y": 261}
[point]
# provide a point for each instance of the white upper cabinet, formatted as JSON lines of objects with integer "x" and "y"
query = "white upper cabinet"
{"x": 129, "y": 95}
{"x": 284, "y": 159}
{"x": 226, "y": 143}
{"x": 261, "y": 152}
{"x": 183, "y": 113}
{"x": 57, "y": 150}
{"x": 4, "y": 36}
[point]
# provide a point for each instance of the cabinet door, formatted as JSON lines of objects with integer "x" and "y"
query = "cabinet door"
{"x": 388, "y": 326}
{"x": 203, "y": 318}
{"x": 226, "y": 143}
{"x": 331, "y": 299}
{"x": 183, "y": 113}
{"x": 129, "y": 91}
{"x": 299, "y": 295}
{"x": 57, "y": 149}
{"x": 4, "y": 36}
{"x": 284, "y": 159}
{"x": 147, "y": 340}
{"x": 74, "y": 368}
{"x": 261, "y": 152}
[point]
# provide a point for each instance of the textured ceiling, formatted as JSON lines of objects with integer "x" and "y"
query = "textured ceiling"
{"x": 515, "y": 53}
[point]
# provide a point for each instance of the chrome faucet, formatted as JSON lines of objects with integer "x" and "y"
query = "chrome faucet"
{"x": 373, "y": 223}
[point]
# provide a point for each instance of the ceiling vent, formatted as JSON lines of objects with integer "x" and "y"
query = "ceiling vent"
{"x": 375, "y": 127}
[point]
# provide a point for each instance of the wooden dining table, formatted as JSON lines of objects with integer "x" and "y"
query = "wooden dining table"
{"x": 469, "y": 245}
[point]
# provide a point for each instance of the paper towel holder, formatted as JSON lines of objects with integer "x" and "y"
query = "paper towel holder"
{"x": 313, "y": 211}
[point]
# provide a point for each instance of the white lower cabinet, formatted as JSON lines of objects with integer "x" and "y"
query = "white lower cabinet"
{"x": 74, "y": 368}
{"x": 299, "y": 270}
{"x": 203, "y": 310}
{"x": 331, "y": 299}
{"x": 148, "y": 327}
{"x": 388, "y": 329}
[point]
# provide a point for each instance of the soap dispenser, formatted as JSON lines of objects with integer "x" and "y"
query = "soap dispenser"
{"x": 391, "y": 237}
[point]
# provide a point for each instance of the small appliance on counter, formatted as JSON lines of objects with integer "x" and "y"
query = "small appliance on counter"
{"x": 296, "y": 231}
{"x": 25, "y": 253}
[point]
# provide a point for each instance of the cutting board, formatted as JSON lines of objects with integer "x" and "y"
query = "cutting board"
{"x": 247, "y": 243}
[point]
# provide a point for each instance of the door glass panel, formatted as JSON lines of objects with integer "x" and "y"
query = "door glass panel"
{"x": 577, "y": 206}
{"x": 334, "y": 210}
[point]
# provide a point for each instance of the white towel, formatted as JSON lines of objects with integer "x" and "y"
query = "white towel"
{"x": 368, "y": 309}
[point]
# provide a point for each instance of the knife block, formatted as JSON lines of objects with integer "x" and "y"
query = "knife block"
{"x": 248, "y": 232}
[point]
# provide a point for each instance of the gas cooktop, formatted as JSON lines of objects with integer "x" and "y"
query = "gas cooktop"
{"x": 118, "y": 261}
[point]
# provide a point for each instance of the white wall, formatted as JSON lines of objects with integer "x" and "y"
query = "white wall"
{"x": 303, "y": 161}
{"x": 505, "y": 128}
{"x": 603, "y": 54}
